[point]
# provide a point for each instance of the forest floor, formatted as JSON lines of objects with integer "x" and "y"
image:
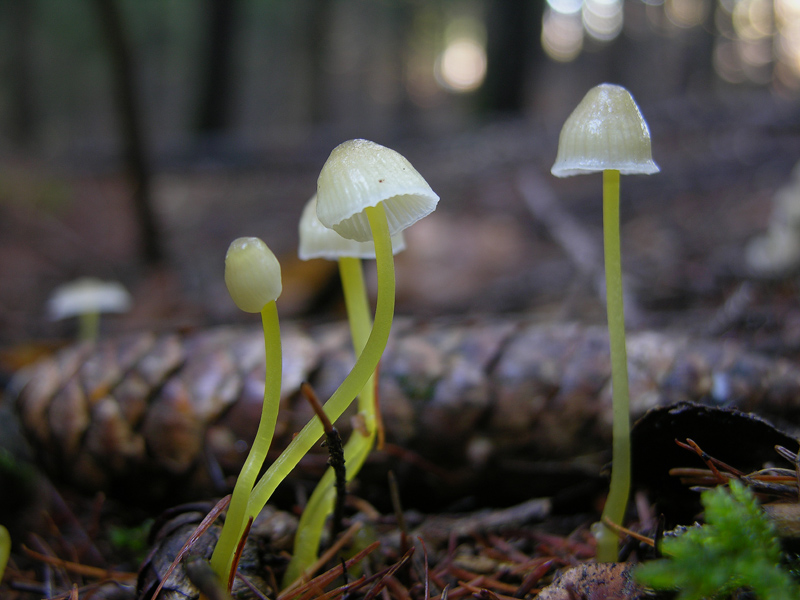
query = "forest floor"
{"x": 508, "y": 240}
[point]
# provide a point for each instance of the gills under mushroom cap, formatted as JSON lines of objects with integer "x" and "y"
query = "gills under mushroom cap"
{"x": 317, "y": 241}
{"x": 252, "y": 274}
{"x": 605, "y": 131}
{"x": 359, "y": 174}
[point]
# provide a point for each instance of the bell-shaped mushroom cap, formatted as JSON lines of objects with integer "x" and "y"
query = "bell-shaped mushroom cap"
{"x": 605, "y": 131}
{"x": 88, "y": 295}
{"x": 359, "y": 174}
{"x": 252, "y": 274}
{"x": 317, "y": 241}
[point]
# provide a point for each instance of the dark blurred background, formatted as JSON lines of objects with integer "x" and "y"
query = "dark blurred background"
{"x": 139, "y": 137}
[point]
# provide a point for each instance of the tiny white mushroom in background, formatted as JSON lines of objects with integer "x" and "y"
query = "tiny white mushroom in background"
{"x": 776, "y": 253}
{"x": 86, "y": 298}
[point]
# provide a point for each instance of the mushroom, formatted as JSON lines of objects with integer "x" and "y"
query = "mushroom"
{"x": 776, "y": 253}
{"x": 86, "y": 298}
{"x": 365, "y": 191}
{"x": 253, "y": 278}
{"x": 606, "y": 132}
{"x": 317, "y": 241}
{"x": 5, "y": 549}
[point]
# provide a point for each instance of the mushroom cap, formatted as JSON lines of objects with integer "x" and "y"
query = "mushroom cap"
{"x": 252, "y": 274}
{"x": 605, "y": 131}
{"x": 88, "y": 295}
{"x": 359, "y": 174}
{"x": 774, "y": 254}
{"x": 317, "y": 241}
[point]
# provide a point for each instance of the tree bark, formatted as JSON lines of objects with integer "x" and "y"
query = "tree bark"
{"x": 512, "y": 48}
{"x": 214, "y": 112}
{"x": 130, "y": 122}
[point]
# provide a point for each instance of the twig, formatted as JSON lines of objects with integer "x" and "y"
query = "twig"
{"x": 623, "y": 531}
{"x": 199, "y": 530}
{"x": 336, "y": 457}
{"x": 238, "y": 555}
{"x": 397, "y": 506}
{"x": 77, "y": 568}
{"x": 298, "y": 586}
{"x": 711, "y": 462}
{"x": 389, "y": 573}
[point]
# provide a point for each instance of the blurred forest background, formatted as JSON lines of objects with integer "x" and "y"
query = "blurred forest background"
{"x": 139, "y": 137}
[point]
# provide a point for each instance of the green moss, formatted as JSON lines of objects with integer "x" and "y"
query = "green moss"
{"x": 736, "y": 548}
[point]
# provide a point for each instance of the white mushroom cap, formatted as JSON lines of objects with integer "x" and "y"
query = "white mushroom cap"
{"x": 359, "y": 174}
{"x": 252, "y": 274}
{"x": 88, "y": 295}
{"x": 605, "y": 131}
{"x": 775, "y": 253}
{"x": 317, "y": 241}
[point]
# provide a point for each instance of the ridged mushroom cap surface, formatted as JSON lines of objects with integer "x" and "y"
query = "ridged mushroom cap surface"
{"x": 252, "y": 274}
{"x": 318, "y": 241}
{"x": 605, "y": 131}
{"x": 359, "y": 174}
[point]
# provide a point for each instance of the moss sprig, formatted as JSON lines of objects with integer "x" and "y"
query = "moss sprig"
{"x": 736, "y": 548}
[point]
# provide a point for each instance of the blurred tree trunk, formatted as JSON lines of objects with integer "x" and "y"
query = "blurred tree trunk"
{"x": 130, "y": 121}
{"x": 512, "y": 51}
{"x": 214, "y": 111}
{"x": 318, "y": 24}
{"x": 20, "y": 61}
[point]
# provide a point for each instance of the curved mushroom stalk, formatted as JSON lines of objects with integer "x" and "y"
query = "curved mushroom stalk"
{"x": 365, "y": 192}
{"x": 253, "y": 278}
{"x": 318, "y": 241}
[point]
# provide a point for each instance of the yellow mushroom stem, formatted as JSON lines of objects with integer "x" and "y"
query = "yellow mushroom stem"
{"x": 617, "y": 501}
{"x": 357, "y": 448}
{"x": 235, "y": 519}
{"x": 5, "y": 549}
{"x": 355, "y": 381}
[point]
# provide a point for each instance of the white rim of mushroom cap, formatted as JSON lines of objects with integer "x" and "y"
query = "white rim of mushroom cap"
{"x": 605, "y": 131}
{"x": 317, "y": 241}
{"x": 88, "y": 295}
{"x": 252, "y": 274}
{"x": 359, "y": 174}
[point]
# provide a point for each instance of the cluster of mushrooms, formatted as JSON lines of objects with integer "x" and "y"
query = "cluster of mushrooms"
{"x": 366, "y": 196}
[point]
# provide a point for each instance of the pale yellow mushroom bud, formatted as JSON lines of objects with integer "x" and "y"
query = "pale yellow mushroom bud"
{"x": 252, "y": 274}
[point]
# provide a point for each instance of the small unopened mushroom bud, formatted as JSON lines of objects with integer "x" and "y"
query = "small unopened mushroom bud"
{"x": 253, "y": 277}
{"x": 252, "y": 274}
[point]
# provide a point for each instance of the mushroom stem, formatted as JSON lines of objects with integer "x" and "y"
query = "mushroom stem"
{"x": 355, "y": 381}
{"x": 89, "y": 326}
{"x": 5, "y": 549}
{"x": 614, "y": 510}
{"x": 355, "y": 299}
{"x": 357, "y": 448}
{"x": 235, "y": 520}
